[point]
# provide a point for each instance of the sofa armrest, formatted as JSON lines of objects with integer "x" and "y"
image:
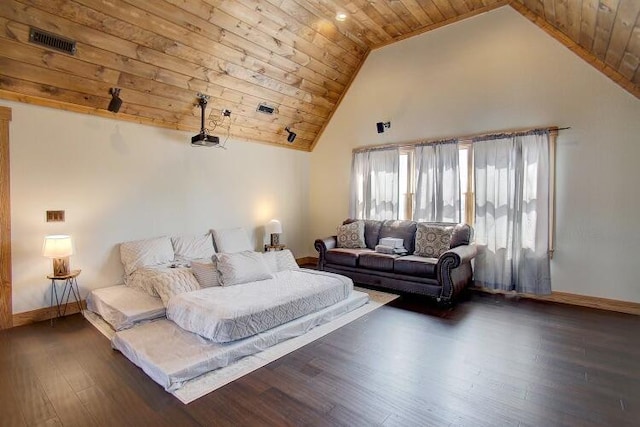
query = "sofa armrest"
{"x": 459, "y": 255}
{"x": 454, "y": 269}
{"x": 322, "y": 246}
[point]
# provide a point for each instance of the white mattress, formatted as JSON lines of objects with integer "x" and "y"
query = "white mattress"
{"x": 123, "y": 306}
{"x": 229, "y": 313}
{"x": 171, "y": 355}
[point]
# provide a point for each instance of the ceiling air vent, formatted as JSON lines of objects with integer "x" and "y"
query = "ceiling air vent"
{"x": 53, "y": 41}
{"x": 263, "y": 107}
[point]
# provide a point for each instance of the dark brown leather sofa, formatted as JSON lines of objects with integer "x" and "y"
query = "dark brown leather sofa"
{"x": 440, "y": 278}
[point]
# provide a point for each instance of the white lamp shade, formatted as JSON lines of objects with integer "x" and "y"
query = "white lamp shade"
{"x": 273, "y": 227}
{"x": 57, "y": 246}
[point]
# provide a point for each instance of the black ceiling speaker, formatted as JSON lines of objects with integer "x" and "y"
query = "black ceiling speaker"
{"x": 116, "y": 102}
{"x": 381, "y": 126}
{"x": 203, "y": 139}
{"x": 292, "y": 135}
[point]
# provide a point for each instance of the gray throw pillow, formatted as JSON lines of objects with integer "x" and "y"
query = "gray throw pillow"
{"x": 432, "y": 240}
{"x": 206, "y": 273}
{"x": 351, "y": 236}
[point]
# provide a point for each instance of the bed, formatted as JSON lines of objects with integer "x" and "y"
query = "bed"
{"x": 181, "y": 315}
{"x": 223, "y": 314}
{"x": 123, "y": 307}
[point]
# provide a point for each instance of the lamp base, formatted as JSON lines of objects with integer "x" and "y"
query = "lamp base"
{"x": 61, "y": 266}
{"x": 275, "y": 239}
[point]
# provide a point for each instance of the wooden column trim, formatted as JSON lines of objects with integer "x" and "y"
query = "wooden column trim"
{"x": 6, "y": 309}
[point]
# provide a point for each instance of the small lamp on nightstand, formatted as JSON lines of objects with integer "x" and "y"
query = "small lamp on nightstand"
{"x": 274, "y": 228}
{"x": 58, "y": 247}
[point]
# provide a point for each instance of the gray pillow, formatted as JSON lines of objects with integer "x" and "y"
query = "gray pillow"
{"x": 432, "y": 240}
{"x": 351, "y": 236}
{"x": 206, "y": 273}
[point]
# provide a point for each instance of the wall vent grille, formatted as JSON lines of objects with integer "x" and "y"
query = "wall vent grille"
{"x": 53, "y": 41}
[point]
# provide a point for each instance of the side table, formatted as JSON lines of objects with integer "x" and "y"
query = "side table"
{"x": 271, "y": 248}
{"x": 70, "y": 287}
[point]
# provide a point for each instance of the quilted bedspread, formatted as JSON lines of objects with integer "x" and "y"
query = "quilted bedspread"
{"x": 224, "y": 314}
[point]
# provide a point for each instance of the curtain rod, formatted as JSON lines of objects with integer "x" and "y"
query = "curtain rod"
{"x": 466, "y": 138}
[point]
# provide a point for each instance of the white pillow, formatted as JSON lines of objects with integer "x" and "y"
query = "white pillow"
{"x": 144, "y": 253}
{"x": 193, "y": 247}
{"x": 271, "y": 260}
{"x": 206, "y": 273}
{"x": 242, "y": 267}
{"x": 231, "y": 240}
{"x": 280, "y": 261}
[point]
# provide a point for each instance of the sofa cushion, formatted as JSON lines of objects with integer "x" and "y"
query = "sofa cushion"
{"x": 414, "y": 265}
{"x": 344, "y": 256}
{"x": 405, "y": 230}
{"x": 462, "y": 235}
{"x": 371, "y": 231}
{"x": 377, "y": 261}
{"x": 432, "y": 240}
{"x": 351, "y": 236}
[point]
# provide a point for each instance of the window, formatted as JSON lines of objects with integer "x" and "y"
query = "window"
{"x": 502, "y": 184}
{"x": 369, "y": 202}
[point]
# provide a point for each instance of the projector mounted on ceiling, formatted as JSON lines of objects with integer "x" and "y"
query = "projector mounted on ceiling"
{"x": 203, "y": 139}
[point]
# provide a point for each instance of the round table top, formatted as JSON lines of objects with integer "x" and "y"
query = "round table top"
{"x": 71, "y": 275}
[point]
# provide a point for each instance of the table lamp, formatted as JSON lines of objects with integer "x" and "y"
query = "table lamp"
{"x": 274, "y": 228}
{"x": 58, "y": 247}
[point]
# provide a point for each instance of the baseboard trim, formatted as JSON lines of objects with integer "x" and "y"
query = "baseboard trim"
{"x": 307, "y": 260}
{"x": 575, "y": 299}
{"x": 46, "y": 313}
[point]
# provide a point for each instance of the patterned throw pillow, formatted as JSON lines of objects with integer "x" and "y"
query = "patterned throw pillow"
{"x": 168, "y": 282}
{"x": 432, "y": 240}
{"x": 351, "y": 236}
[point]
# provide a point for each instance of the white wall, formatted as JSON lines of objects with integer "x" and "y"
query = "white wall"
{"x": 120, "y": 181}
{"x": 493, "y": 72}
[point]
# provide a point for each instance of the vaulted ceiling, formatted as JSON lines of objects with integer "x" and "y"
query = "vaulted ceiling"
{"x": 291, "y": 54}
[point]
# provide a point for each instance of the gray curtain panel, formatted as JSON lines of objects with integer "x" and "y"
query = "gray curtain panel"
{"x": 437, "y": 196}
{"x": 512, "y": 212}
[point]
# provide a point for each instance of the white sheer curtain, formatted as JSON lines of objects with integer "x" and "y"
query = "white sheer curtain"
{"x": 374, "y": 185}
{"x": 512, "y": 212}
{"x": 437, "y": 196}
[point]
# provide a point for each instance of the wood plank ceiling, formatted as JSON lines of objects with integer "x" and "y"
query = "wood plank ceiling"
{"x": 291, "y": 54}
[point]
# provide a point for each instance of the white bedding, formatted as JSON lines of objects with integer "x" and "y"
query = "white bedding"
{"x": 171, "y": 355}
{"x": 224, "y": 314}
{"x": 122, "y": 306}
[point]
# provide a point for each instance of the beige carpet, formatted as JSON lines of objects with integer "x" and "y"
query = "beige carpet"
{"x": 205, "y": 384}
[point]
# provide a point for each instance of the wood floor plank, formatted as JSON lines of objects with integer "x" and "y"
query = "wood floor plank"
{"x": 488, "y": 361}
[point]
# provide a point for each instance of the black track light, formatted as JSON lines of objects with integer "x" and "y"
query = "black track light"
{"x": 292, "y": 135}
{"x": 381, "y": 126}
{"x": 116, "y": 102}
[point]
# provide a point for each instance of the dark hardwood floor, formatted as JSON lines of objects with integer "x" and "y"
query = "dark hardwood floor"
{"x": 490, "y": 361}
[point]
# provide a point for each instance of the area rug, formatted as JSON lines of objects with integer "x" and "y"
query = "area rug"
{"x": 205, "y": 384}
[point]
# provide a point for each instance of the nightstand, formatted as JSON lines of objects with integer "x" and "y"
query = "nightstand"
{"x": 271, "y": 248}
{"x": 70, "y": 287}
